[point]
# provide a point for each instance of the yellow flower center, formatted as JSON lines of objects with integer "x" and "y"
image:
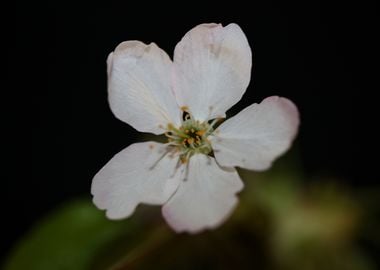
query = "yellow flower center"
{"x": 191, "y": 137}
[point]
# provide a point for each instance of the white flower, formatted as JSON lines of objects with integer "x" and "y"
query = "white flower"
{"x": 193, "y": 175}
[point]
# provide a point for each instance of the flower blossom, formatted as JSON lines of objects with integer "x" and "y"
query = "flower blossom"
{"x": 193, "y": 174}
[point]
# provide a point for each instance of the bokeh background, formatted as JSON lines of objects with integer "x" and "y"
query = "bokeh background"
{"x": 317, "y": 208}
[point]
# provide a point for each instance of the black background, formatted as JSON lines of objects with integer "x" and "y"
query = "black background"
{"x": 62, "y": 130}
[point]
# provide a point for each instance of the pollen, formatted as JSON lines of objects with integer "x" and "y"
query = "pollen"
{"x": 191, "y": 137}
{"x": 183, "y": 159}
{"x": 185, "y": 108}
{"x": 200, "y": 132}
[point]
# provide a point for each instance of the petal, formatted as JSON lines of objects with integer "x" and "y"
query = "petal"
{"x": 205, "y": 199}
{"x": 213, "y": 69}
{"x": 257, "y": 135}
{"x": 140, "y": 87}
{"x": 141, "y": 173}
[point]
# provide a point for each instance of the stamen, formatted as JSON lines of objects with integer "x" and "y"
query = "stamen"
{"x": 176, "y": 168}
{"x": 211, "y": 126}
{"x": 169, "y": 135}
{"x": 200, "y": 132}
{"x": 171, "y": 143}
{"x": 185, "y": 108}
{"x": 187, "y": 171}
{"x": 216, "y": 120}
{"x": 160, "y": 158}
{"x": 191, "y": 137}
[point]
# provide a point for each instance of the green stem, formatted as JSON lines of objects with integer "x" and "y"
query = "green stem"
{"x": 154, "y": 241}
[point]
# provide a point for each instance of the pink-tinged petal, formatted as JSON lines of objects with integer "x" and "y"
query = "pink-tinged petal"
{"x": 140, "y": 88}
{"x": 141, "y": 173}
{"x": 205, "y": 199}
{"x": 257, "y": 135}
{"x": 212, "y": 69}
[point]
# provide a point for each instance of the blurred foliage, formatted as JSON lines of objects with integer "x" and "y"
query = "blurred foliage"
{"x": 74, "y": 236}
{"x": 280, "y": 223}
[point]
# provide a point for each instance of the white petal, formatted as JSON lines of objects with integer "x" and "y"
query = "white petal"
{"x": 212, "y": 68}
{"x": 205, "y": 199}
{"x": 141, "y": 173}
{"x": 109, "y": 64}
{"x": 140, "y": 88}
{"x": 257, "y": 135}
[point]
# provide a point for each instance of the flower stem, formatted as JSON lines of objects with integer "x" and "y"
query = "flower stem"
{"x": 156, "y": 239}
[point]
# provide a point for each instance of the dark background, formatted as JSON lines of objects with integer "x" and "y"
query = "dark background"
{"x": 62, "y": 130}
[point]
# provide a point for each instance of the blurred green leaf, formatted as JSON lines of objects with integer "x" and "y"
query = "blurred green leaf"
{"x": 67, "y": 239}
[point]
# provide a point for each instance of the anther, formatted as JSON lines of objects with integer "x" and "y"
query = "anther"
{"x": 200, "y": 132}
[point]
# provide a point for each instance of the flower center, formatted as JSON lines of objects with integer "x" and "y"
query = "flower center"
{"x": 191, "y": 137}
